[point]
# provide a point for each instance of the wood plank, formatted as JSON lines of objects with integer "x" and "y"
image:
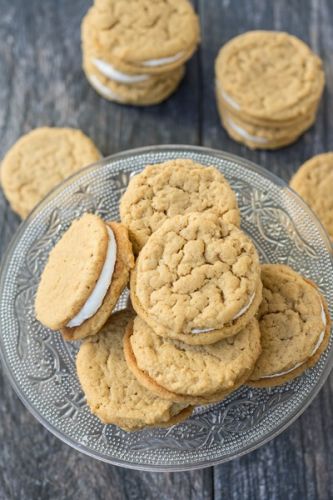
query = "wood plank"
{"x": 297, "y": 464}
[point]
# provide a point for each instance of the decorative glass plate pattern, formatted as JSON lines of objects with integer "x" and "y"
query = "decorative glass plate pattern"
{"x": 41, "y": 365}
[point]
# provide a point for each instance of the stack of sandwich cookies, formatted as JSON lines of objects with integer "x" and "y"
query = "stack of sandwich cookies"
{"x": 176, "y": 187}
{"x": 268, "y": 88}
{"x": 294, "y": 324}
{"x": 134, "y": 52}
{"x": 314, "y": 183}
{"x": 111, "y": 389}
{"x": 84, "y": 276}
{"x": 197, "y": 279}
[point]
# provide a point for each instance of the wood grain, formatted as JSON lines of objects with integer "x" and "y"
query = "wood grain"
{"x": 41, "y": 83}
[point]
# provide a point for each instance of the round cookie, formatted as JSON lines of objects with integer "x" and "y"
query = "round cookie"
{"x": 269, "y": 76}
{"x": 294, "y": 324}
{"x": 175, "y": 187}
{"x": 314, "y": 183}
{"x": 152, "y": 91}
{"x": 197, "y": 279}
{"x": 192, "y": 374}
{"x": 112, "y": 391}
{"x": 85, "y": 274}
{"x": 39, "y": 161}
{"x": 141, "y": 36}
{"x": 259, "y": 137}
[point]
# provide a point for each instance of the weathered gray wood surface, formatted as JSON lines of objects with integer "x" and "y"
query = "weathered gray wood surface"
{"x": 41, "y": 83}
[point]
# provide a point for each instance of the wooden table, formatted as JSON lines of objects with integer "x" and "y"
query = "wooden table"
{"x": 41, "y": 83}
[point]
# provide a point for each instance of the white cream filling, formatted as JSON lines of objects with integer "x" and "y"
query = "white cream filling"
{"x": 96, "y": 298}
{"x": 113, "y": 74}
{"x": 242, "y": 311}
{"x": 229, "y": 100}
{"x": 315, "y": 349}
{"x": 105, "y": 91}
{"x": 243, "y": 133}
{"x": 162, "y": 61}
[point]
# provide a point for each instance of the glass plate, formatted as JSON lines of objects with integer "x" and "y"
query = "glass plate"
{"x": 41, "y": 366}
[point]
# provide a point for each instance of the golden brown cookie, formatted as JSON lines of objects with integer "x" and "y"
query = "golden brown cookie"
{"x": 314, "y": 183}
{"x": 191, "y": 374}
{"x": 85, "y": 274}
{"x": 112, "y": 391}
{"x": 175, "y": 187}
{"x": 294, "y": 324}
{"x": 152, "y": 91}
{"x": 141, "y": 36}
{"x": 39, "y": 161}
{"x": 270, "y": 76}
{"x": 197, "y": 279}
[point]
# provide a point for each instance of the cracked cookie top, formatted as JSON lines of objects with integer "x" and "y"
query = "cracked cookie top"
{"x": 175, "y": 187}
{"x": 269, "y": 74}
{"x": 195, "y": 272}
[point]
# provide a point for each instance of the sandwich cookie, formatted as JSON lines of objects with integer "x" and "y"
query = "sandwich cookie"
{"x": 294, "y": 324}
{"x": 270, "y": 81}
{"x": 139, "y": 37}
{"x": 39, "y": 161}
{"x": 151, "y": 91}
{"x": 84, "y": 276}
{"x": 314, "y": 183}
{"x": 175, "y": 187}
{"x": 197, "y": 279}
{"x": 193, "y": 374}
{"x": 113, "y": 393}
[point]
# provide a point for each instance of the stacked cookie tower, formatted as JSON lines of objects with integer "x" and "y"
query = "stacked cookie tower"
{"x": 208, "y": 317}
{"x": 268, "y": 88}
{"x": 134, "y": 51}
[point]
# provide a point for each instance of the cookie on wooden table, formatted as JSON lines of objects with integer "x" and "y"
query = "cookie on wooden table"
{"x": 197, "y": 279}
{"x": 314, "y": 183}
{"x": 84, "y": 276}
{"x": 191, "y": 373}
{"x": 294, "y": 324}
{"x": 268, "y": 80}
{"x": 39, "y": 161}
{"x": 140, "y": 37}
{"x": 112, "y": 391}
{"x": 175, "y": 187}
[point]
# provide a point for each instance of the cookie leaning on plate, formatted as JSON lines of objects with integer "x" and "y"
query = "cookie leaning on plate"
{"x": 39, "y": 161}
{"x": 192, "y": 374}
{"x": 314, "y": 183}
{"x": 140, "y": 37}
{"x": 294, "y": 324}
{"x": 197, "y": 279}
{"x": 175, "y": 187}
{"x": 112, "y": 392}
{"x": 84, "y": 276}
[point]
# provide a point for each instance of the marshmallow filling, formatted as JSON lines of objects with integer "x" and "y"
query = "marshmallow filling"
{"x": 96, "y": 298}
{"x": 113, "y": 74}
{"x": 161, "y": 62}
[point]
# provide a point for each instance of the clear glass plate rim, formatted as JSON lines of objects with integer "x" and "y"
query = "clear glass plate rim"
{"x": 116, "y": 157}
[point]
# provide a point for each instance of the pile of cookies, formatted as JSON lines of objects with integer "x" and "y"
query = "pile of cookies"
{"x": 268, "y": 88}
{"x": 205, "y": 317}
{"x": 134, "y": 51}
